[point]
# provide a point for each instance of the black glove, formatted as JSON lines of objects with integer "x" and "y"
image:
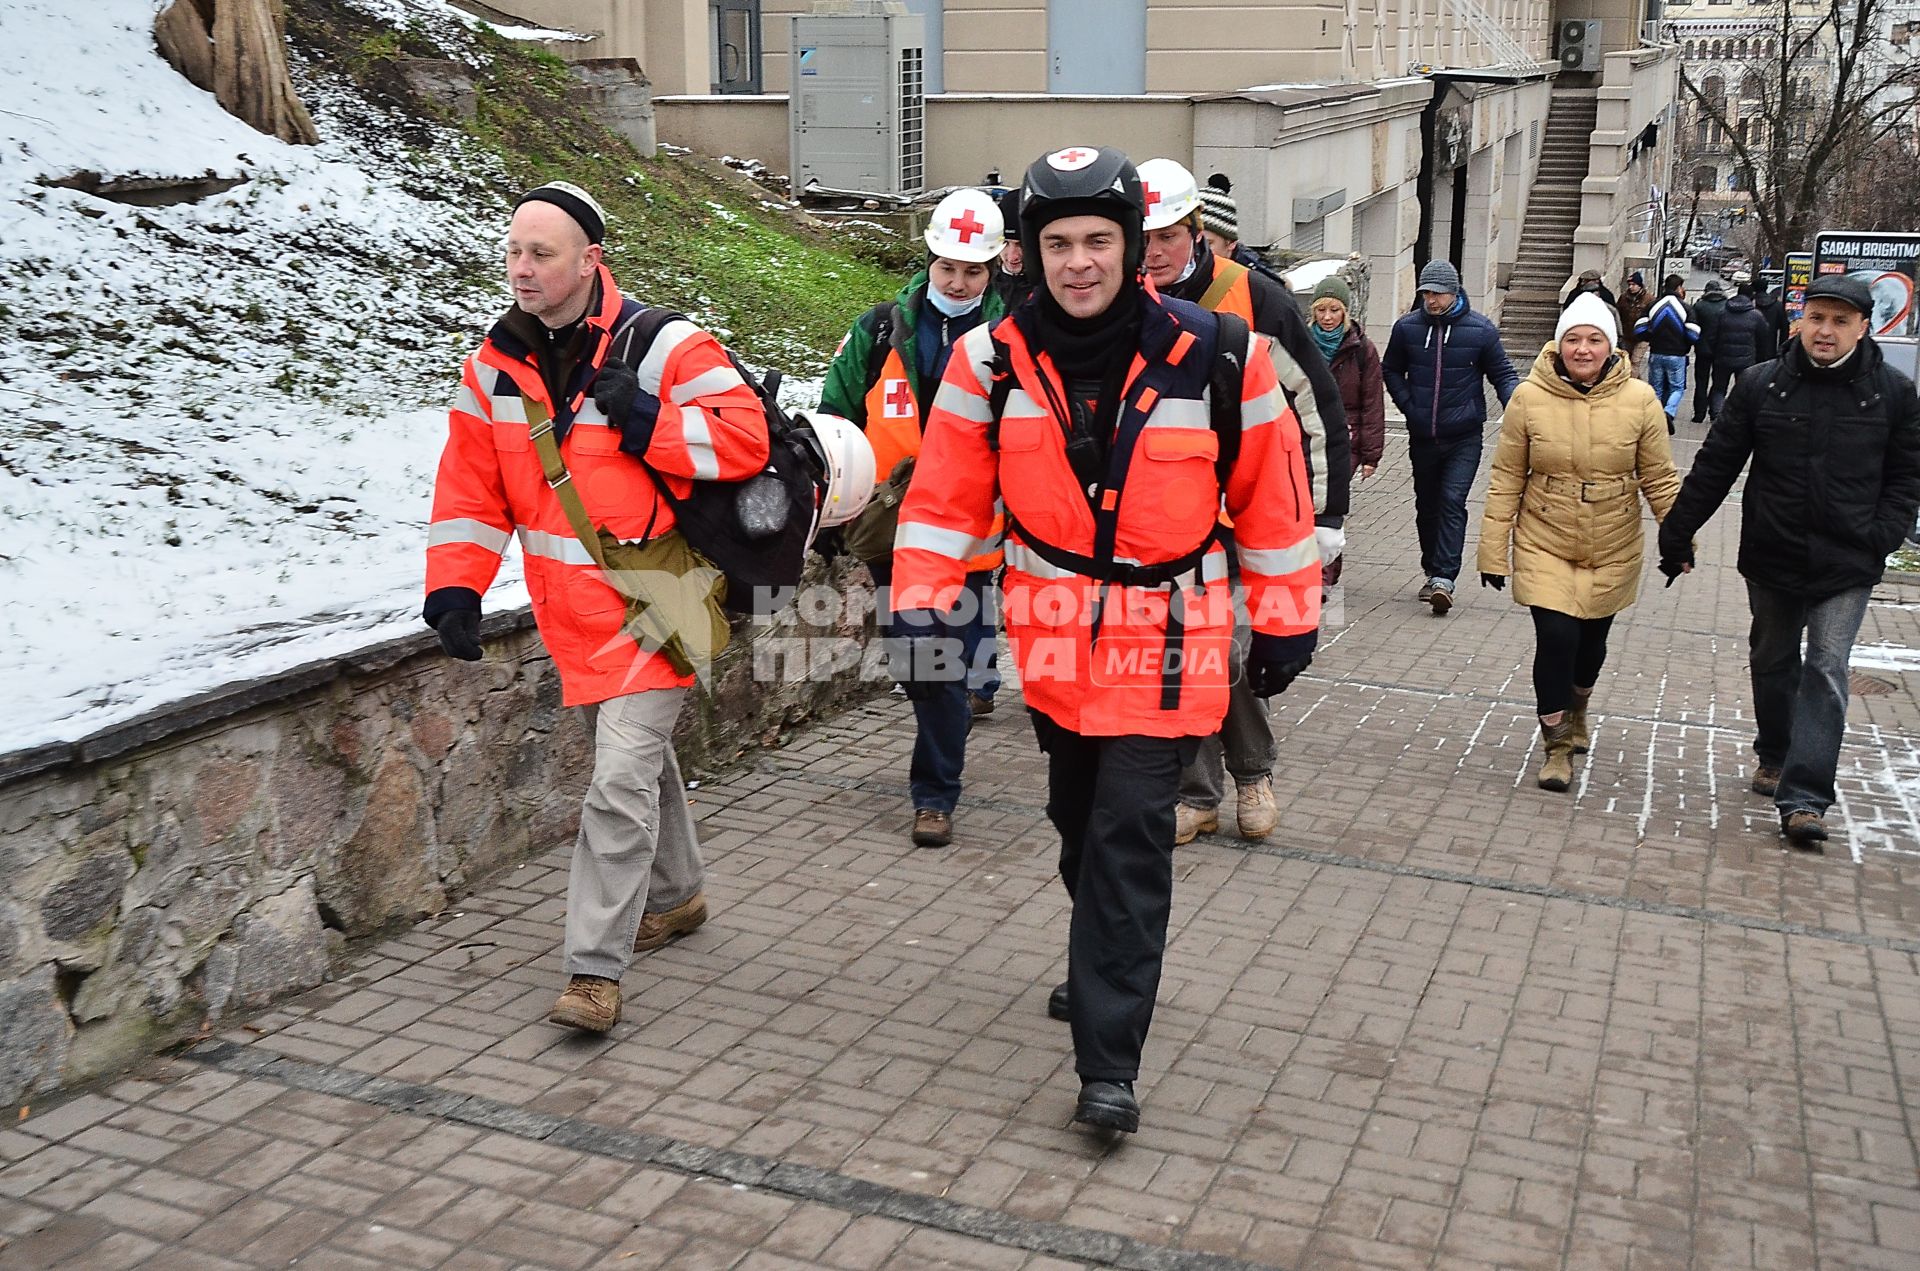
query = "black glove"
{"x": 1673, "y": 567}
{"x": 1496, "y": 581}
{"x": 921, "y": 656}
{"x": 627, "y": 406}
{"x": 459, "y": 631}
{"x": 1273, "y": 662}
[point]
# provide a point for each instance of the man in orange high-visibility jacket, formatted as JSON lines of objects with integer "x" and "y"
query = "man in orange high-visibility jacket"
{"x": 1180, "y": 264}
{"x": 1107, "y": 455}
{"x": 626, "y": 419}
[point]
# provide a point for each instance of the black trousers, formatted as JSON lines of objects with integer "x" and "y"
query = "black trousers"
{"x": 1111, "y": 799}
{"x": 1567, "y": 652}
{"x": 1702, "y": 382}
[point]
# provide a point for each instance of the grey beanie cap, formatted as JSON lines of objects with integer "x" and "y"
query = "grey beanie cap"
{"x": 1438, "y": 275}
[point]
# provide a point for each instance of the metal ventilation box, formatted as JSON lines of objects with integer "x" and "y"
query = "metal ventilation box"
{"x": 856, "y": 114}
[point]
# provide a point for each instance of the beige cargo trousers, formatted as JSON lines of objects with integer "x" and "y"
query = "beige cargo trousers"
{"x": 636, "y": 850}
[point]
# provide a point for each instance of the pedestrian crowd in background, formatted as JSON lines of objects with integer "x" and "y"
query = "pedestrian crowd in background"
{"x": 1095, "y": 416}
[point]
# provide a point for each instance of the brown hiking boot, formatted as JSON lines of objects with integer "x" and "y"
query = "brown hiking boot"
{"x": 932, "y": 827}
{"x": 669, "y": 924}
{"x": 591, "y": 1003}
{"x": 1556, "y": 773}
{"x": 1804, "y": 829}
{"x": 1255, "y": 811}
{"x": 1190, "y": 822}
{"x": 1577, "y": 717}
{"x": 1766, "y": 780}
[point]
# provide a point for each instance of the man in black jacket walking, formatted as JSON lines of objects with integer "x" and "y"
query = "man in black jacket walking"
{"x": 1834, "y": 435}
{"x": 1710, "y": 309}
{"x": 1743, "y": 338}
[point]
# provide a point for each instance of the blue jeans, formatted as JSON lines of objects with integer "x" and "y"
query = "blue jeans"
{"x": 1801, "y": 706}
{"x": 1443, "y": 473}
{"x": 942, "y": 720}
{"x": 1667, "y": 372}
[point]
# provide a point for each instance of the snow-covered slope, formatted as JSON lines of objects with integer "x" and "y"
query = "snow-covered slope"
{"x": 218, "y": 420}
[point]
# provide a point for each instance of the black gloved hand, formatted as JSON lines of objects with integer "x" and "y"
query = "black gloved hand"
{"x": 459, "y": 631}
{"x": 921, "y": 656}
{"x": 1673, "y": 568}
{"x": 1273, "y": 662}
{"x": 627, "y": 406}
{"x": 1496, "y": 581}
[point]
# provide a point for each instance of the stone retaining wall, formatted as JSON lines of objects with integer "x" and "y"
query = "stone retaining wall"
{"x": 221, "y": 853}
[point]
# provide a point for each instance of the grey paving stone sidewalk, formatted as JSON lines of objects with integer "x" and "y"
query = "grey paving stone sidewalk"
{"x": 1439, "y": 1019}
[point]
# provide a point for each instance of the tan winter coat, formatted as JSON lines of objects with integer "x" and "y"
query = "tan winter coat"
{"x": 1563, "y": 501}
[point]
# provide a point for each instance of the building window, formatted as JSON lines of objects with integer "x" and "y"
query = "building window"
{"x": 733, "y": 28}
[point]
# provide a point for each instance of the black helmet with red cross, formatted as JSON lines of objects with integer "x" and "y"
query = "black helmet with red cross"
{"x": 1081, "y": 181}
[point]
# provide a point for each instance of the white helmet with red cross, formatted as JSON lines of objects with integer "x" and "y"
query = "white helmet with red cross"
{"x": 1172, "y": 193}
{"x": 967, "y": 225}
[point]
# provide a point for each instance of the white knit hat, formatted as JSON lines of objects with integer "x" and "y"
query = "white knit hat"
{"x": 1588, "y": 310}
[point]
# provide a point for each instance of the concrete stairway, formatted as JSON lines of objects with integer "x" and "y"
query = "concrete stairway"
{"x": 1545, "y": 259}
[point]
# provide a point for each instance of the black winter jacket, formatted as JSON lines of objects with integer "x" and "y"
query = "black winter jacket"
{"x": 1304, "y": 374}
{"x": 1708, "y": 311}
{"x": 1835, "y": 479}
{"x": 1436, "y": 370}
{"x": 1744, "y": 337}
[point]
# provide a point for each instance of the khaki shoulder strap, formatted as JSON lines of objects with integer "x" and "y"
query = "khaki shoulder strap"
{"x": 547, "y": 446}
{"x": 1225, "y": 274}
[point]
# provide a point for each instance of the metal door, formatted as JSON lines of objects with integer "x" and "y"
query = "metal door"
{"x": 1097, "y": 46}
{"x": 734, "y": 30}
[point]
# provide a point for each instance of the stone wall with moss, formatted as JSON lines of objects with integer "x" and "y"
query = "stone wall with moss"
{"x": 224, "y": 852}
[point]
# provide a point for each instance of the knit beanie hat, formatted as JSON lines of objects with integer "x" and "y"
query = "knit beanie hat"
{"x": 575, "y": 202}
{"x": 1587, "y": 310}
{"x": 1439, "y": 276}
{"x": 1335, "y": 286}
{"x": 1218, "y": 211}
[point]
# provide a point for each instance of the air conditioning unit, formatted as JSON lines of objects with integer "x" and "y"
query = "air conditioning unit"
{"x": 856, "y": 113}
{"x": 1579, "y": 45}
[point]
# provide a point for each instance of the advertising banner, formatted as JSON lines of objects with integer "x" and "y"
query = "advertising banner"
{"x": 1794, "y": 288}
{"x": 1890, "y": 266}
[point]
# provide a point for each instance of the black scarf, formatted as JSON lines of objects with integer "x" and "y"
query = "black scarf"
{"x": 1093, "y": 356}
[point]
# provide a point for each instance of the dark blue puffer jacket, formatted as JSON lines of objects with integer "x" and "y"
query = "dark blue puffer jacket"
{"x": 1436, "y": 370}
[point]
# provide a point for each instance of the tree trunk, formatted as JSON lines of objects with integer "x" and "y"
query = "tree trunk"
{"x": 237, "y": 50}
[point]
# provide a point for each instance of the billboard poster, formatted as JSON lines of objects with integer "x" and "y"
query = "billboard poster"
{"x": 1890, "y": 266}
{"x": 1794, "y": 287}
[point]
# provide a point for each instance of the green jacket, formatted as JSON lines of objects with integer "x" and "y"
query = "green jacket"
{"x": 850, "y": 377}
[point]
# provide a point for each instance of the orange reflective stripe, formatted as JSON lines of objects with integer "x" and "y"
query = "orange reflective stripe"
{"x": 1178, "y": 353}
{"x": 1148, "y": 396}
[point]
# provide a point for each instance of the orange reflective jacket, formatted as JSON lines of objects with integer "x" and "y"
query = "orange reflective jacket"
{"x": 1122, "y": 657}
{"x": 893, "y": 430}
{"x": 491, "y": 487}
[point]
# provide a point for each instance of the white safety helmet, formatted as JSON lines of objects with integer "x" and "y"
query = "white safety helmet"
{"x": 850, "y": 473}
{"x": 967, "y": 225}
{"x": 1171, "y": 192}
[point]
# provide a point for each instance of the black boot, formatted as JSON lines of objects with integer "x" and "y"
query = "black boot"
{"x": 1057, "y": 1004}
{"x": 1109, "y": 1105}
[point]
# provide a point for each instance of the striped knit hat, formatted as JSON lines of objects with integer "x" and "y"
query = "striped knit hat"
{"x": 1218, "y": 211}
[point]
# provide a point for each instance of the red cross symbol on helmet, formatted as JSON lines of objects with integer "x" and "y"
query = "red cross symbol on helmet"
{"x": 1071, "y": 159}
{"x": 966, "y": 225}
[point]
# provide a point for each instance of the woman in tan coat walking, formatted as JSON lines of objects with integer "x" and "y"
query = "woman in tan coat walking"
{"x": 1581, "y": 442}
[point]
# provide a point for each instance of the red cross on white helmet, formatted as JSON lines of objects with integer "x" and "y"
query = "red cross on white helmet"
{"x": 1172, "y": 193}
{"x": 967, "y": 226}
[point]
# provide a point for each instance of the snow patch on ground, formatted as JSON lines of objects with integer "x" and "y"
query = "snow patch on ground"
{"x": 221, "y": 419}
{"x": 1884, "y": 657}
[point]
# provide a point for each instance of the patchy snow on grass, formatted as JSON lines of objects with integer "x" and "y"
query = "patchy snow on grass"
{"x": 221, "y": 419}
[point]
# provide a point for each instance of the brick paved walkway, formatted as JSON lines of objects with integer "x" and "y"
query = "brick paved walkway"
{"x": 1441, "y": 1019}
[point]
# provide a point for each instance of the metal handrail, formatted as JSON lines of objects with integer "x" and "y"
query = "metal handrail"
{"x": 1507, "y": 50}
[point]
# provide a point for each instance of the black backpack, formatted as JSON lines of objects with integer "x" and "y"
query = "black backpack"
{"x": 762, "y": 568}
